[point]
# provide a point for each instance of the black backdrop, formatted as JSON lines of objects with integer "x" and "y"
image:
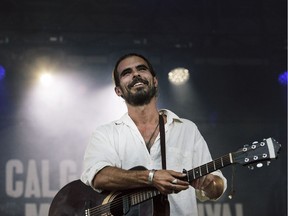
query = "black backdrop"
{"x": 235, "y": 54}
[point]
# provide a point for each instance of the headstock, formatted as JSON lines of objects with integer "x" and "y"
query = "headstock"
{"x": 257, "y": 153}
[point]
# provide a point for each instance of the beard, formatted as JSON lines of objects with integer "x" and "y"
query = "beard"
{"x": 142, "y": 96}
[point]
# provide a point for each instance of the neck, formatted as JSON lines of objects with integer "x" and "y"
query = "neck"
{"x": 145, "y": 114}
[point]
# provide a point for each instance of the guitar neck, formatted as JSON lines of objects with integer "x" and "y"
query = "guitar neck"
{"x": 141, "y": 195}
{"x": 210, "y": 167}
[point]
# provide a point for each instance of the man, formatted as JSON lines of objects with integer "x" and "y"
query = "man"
{"x": 134, "y": 140}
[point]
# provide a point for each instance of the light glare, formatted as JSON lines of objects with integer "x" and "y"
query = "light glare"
{"x": 178, "y": 76}
{"x": 46, "y": 79}
{"x": 2, "y": 72}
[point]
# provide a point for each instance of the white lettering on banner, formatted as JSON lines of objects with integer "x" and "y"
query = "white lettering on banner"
{"x": 14, "y": 188}
{"x": 45, "y": 180}
{"x": 239, "y": 209}
{"x": 68, "y": 171}
{"x": 31, "y": 209}
{"x": 34, "y": 180}
{"x": 218, "y": 209}
{"x": 32, "y": 187}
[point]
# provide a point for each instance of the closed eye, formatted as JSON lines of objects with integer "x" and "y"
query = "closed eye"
{"x": 142, "y": 67}
{"x": 125, "y": 72}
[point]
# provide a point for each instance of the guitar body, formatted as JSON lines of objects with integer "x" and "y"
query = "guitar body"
{"x": 75, "y": 198}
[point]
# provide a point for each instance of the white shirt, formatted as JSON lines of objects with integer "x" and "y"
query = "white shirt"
{"x": 120, "y": 144}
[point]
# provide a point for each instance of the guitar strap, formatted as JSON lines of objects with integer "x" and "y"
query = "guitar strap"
{"x": 163, "y": 207}
{"x": 162, "y": 141}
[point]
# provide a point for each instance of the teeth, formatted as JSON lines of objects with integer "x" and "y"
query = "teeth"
{"x": 139, "y": 83}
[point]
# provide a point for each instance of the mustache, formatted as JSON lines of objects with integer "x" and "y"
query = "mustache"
{"x": 136, "y": 80}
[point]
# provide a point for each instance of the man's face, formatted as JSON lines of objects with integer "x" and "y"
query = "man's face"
{"x": 137, "y": 85}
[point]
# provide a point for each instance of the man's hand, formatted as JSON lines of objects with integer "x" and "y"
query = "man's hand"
{"x": 212, "y": 185}
{"x": 168, "y": 181}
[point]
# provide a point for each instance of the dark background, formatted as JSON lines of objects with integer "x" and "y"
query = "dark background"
{"x": 235, "y": 52}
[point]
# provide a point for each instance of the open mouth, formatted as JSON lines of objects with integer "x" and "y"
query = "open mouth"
{"x": 138, "y": 82}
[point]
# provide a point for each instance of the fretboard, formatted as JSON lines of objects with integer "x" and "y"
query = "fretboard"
{"x": 207, "y": 168}
{"x": 141, "y": 196}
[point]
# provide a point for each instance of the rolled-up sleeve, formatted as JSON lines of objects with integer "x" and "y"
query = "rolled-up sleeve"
{"x": 100, "y": 152}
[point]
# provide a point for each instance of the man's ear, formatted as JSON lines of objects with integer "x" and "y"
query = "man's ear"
{"x": 118, "y": 91}
{"x": 155, "y": 81}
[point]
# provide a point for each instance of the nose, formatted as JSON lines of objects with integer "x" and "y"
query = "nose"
{"x": 135, "y": 73}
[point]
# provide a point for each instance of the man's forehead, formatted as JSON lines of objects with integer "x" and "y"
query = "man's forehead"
{"x": 130, "y": 62}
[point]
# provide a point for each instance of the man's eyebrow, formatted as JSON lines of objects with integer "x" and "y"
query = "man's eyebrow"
{"x": 142, "y": 66}
{"x": 125, "y": 70}
{"x": 138, "y": 67}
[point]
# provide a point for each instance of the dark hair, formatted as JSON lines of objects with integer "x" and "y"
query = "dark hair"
{"x": 115, "y": 73}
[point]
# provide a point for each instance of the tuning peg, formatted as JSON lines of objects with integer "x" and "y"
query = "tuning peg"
{"x": 245, "y": 148}
{"x": 251, "y": 167}
{"x": 268, "y": 163}
{"x": 259, "y": 165}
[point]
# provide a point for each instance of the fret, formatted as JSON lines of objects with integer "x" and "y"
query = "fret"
{"x": 197, "y": 172}
{"x": 219, "y": 163}
{"x": 203, "y": 171}
{"x": 210, "y": 167}
{"x": 230, "y": 157}
{"x": 207, "y": 168}
{"x": 193, "y": 174}
{"x": 149, "y": 194}
{"x": 143, "y": 196}
{"x": 134, "y": 199}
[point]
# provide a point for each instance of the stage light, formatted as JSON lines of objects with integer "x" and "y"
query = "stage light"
{"x": 282, "y": 78}
{"x": 178, "y": 76}
{"x": 2, "y": 72}
{"x": 46, "y": 79}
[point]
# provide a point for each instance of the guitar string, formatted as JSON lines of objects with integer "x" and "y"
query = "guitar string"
{"x": 114, "y": 203}
{"x": 118, "y": 200}
{"x": 104, "y": 208}
{"x": 219, "y": 163}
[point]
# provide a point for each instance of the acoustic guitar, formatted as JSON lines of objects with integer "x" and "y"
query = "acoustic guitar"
{"x": 76, "y": 198}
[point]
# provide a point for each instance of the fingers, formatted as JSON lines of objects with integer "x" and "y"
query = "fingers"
{"x": 168, "y": 182}
{"x": 176, "y": 188}
{"x": 175, "y": 181}
{"x": 178, "y": 185}
{"x": 203, "y": 182}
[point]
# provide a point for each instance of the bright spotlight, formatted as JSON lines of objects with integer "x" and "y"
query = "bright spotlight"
{"x": 178, "y": 76}
{"x": 2, "y": 72}
{"x": 46, "y": 79}
{"x": 282, "y": 79}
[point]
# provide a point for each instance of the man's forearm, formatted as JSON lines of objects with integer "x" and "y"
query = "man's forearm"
{"x": 113, "y": 178}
